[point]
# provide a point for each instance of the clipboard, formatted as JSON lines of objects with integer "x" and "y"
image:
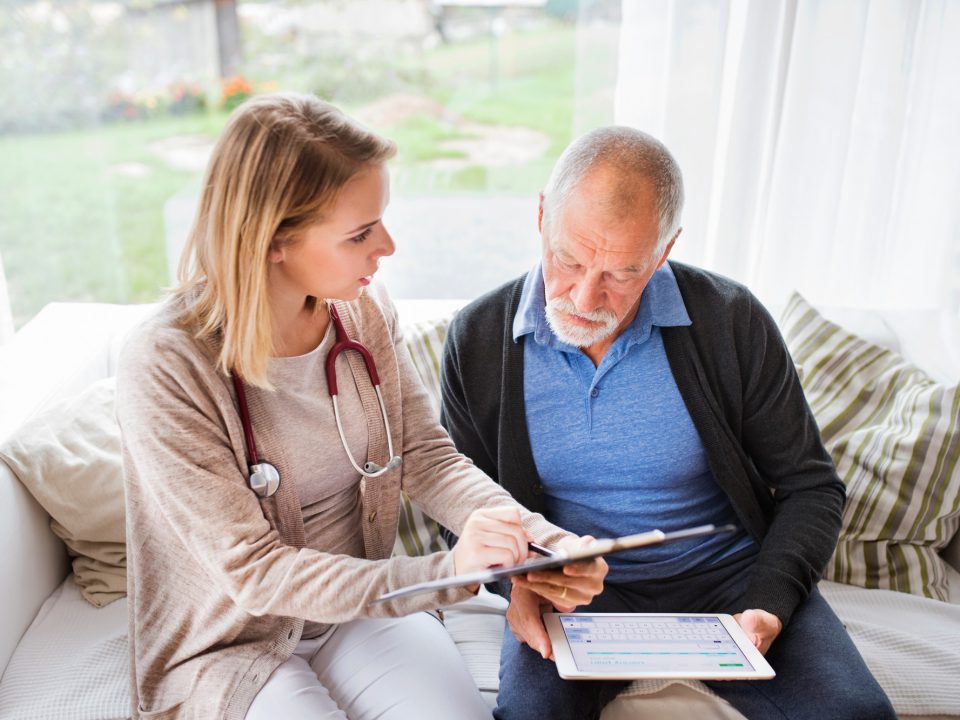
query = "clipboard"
{"x": 599, "y": 548}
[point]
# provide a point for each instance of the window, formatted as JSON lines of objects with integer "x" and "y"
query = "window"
{"x": 109, "y": 111}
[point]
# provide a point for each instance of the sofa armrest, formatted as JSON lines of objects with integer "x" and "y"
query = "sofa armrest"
{"x": 61, "y": 351}
{"x": 33, "y": 562}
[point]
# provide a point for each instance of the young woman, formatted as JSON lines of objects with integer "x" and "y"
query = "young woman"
{"x": 261, "y": 512}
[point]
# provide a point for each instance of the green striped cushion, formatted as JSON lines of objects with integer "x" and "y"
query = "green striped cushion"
{"x": 894, "y": 434}
{"x": 417, "y": 534}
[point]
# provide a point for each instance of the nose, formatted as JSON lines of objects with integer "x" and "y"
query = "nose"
{"x": 586, "y": 295}
{"x": 387, "y": 246}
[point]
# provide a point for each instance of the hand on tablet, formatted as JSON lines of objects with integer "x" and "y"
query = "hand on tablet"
{"x": 572, "y": 585}
{"x": 760, "y": 626}
{"x": 563, "y": 589}
{"x": 525, "y": 621}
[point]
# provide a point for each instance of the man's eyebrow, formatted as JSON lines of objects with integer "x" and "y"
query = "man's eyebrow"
{"x": 362, "y": 227}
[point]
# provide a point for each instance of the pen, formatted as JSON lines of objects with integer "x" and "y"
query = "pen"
{"x": 540, "y": 550}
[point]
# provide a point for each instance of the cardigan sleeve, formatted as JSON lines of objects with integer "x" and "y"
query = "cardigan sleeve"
{"x": 193, "y": 515}
{"x": 456, "y": 413}
{"x": 781, "y": 438}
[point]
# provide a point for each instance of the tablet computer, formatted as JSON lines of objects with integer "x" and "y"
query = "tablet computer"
{"x": 598, "y": 548}
{"x": 626, "y": 646}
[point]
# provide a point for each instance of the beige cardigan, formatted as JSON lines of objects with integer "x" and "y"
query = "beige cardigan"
{"x": 219, "y": 580}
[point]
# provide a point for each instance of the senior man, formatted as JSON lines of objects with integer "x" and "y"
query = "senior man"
{"x": 615, "y": 392}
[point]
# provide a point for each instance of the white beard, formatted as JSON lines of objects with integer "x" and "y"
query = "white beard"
{"x": 602, "y": 323}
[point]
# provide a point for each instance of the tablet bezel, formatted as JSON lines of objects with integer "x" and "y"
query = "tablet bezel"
{"x": 567, "y": 667}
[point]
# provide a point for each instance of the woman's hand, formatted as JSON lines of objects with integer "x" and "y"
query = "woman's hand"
{"x": 760, "y": 626}
{"x": 492, "y": 536}
{"x": 571, "y": 585}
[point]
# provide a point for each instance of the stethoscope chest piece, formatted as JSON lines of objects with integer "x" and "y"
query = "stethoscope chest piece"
{"x": 264, "y": 479}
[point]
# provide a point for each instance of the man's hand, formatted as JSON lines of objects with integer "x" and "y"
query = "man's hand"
{"x": 571, "y": 585}
{"x": 760, "y": 626}
{"x": 524, "y": 619}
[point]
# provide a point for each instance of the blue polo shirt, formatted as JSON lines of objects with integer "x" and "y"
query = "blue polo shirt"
{"x": 614, "y": 445}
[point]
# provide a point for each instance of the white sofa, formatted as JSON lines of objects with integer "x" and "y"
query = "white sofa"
{"x": 69, "y": 346}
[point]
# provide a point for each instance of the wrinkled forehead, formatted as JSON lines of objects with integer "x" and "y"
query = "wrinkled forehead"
{"x": 592, "y": 230}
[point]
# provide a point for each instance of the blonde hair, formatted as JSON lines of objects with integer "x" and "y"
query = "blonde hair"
{"x": 277, "y": 167}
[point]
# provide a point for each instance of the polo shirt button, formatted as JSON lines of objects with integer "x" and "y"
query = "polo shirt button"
{"x": 373, "y": 516}
{"x": 594, "y": 392}
{"x": 538, "y": 488}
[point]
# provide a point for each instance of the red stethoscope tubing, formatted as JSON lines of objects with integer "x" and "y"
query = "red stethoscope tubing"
{"x": 342, "y": 343}
{"x": 245, "y": 420}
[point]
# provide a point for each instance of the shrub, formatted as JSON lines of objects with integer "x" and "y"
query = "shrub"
{"x": 236, "y": 89}
{"x": 186, "y": 98}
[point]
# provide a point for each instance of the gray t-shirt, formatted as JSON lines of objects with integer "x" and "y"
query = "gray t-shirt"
{"x": 301, "y": 404}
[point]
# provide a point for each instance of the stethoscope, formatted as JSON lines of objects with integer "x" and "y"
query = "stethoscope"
{"x": 264, "y": 476}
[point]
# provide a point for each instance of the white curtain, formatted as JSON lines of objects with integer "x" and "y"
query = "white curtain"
{"x": 6, "y": 317}
{"x": 819, "y": 140}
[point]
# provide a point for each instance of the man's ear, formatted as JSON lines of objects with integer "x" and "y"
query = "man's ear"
{"x": 669, "y": 247}
{"x": 540, "y": 215}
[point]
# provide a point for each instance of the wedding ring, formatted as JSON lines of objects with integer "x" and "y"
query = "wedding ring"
{"x": 563, "y": 595}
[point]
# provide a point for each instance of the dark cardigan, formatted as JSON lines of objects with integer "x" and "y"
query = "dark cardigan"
{"x": 742, "y": 391}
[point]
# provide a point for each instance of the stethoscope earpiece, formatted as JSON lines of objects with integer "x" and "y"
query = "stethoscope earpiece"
{"x": 372, "y": 469}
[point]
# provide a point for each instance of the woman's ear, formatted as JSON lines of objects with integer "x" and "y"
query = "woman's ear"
{"x": 276, "y": 252}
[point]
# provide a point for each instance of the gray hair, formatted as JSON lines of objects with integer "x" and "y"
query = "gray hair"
{"x": 635, "y": 155}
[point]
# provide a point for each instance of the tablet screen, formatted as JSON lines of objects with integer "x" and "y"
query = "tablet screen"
{"x": 659, "y": 643}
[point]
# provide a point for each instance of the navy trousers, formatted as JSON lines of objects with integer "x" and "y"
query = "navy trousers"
{"x": 820, "y": 673}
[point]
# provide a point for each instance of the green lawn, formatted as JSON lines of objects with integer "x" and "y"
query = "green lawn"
{"x": 75, "y": 226}
{"x": 81, "y": 213}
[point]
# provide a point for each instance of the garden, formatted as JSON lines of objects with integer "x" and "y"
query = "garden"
{"x": 86, "y": 198}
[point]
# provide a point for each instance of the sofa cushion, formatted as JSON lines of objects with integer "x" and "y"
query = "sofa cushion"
{"x": 909, "y": 643}
{"x": 71, "y": 663}
{"x": 418, "y": 534}
{"x": 894, "y": 434}
{"x": 68, "y": 457}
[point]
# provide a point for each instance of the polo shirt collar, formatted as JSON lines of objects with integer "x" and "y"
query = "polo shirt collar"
{"x": 661, "y": 304}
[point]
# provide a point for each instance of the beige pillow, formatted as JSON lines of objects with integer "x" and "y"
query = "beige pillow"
{"x": 68, "y": 457}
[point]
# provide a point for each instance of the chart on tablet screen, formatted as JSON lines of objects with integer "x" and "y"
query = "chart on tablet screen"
{"x": 632, "y": 643}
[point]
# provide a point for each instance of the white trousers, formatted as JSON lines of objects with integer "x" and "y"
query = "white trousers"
{"x": 390, "y": 669}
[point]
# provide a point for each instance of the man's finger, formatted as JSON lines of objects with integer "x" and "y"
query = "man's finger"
{"x": 580, "y": 569}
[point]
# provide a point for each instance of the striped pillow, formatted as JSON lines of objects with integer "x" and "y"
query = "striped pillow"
{"x": 894, "y": 434}
{"x": 418, "y": 534}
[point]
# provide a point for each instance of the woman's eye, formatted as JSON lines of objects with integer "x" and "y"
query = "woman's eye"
{"x": 362, "y": 236}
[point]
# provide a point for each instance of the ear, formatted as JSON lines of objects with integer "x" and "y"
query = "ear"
{"x": 669, "y": 247}
{"x": 540, "y": 215}
{"x": 276, "y": 252}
